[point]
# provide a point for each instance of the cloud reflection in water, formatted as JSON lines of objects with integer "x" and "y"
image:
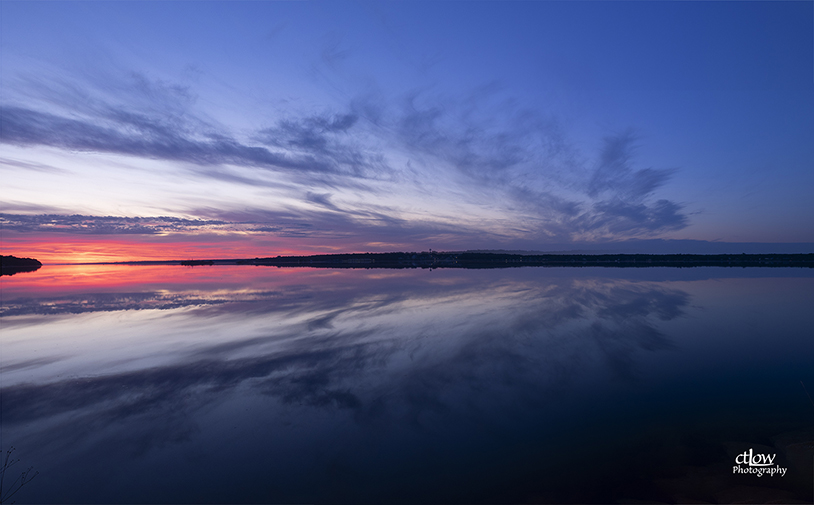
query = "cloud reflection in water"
{"x": 247, "y": 384}
{"x": 410, "y": 344}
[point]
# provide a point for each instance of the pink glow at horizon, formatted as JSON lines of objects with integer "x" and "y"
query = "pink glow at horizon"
{"x": 58, "y": 248}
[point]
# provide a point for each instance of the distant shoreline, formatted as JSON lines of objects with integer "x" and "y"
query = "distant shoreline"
{"x": 475, "y": 260}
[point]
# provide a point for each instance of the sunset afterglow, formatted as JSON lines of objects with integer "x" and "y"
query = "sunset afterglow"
{"x": 351, "y": 127}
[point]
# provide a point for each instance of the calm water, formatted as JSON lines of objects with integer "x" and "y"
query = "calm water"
{"x": 255, "y": 384}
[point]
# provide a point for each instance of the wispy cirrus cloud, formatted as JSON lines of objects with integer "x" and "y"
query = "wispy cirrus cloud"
{"x": 26, "y": 165}
{"x": 142, "y": 117}
{"x": 139, "y": 135}
{"x": 355, "y": 230}
{"x": 103, "y": 225}
{"x": 621, "y": 205}
{"x": 528, "y": 159}
{"x": 614, "y": 174}
{"x": 327, "y": 141}
{"x": 513, "y": 167}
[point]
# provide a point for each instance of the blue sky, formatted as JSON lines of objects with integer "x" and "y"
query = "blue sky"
{"x": 404, "y": 125}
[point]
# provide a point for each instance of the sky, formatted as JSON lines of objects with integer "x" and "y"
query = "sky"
{"x": 145, "y": 130}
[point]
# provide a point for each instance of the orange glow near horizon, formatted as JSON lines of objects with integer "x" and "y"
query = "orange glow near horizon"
{"x": 95, "y": 249}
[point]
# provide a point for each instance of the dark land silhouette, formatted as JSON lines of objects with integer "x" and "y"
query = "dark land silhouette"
{"x": 497, "y": 260}
{"x": 10, "y": 265}
{"x": 195, "y": 263}
{"x": 473, "y": 260}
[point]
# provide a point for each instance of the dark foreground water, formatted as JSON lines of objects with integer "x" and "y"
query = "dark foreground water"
{"x": 256, "y": 384}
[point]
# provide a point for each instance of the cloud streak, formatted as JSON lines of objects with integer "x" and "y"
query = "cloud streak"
{"x": 143, "y": 136}
{"x": 314, "y": 229}
{"x": 493, "y": 155}
{"x": 103, "y": 225}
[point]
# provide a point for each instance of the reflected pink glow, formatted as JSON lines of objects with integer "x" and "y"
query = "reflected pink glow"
{"x": 58, "y": 279}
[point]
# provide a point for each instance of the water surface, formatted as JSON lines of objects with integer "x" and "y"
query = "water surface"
{"x": 256, "y": 384}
